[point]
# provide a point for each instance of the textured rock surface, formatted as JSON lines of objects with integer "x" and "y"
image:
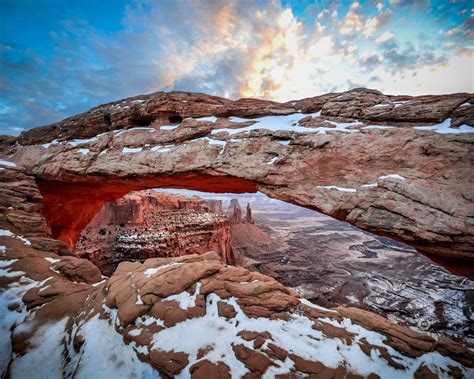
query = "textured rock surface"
{"x": 149, "y": 224}
{"x": 54, "y": 308}
{"x": 413, "y": 185}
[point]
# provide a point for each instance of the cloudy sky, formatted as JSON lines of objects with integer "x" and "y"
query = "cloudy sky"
{"x": 59, "y": 58}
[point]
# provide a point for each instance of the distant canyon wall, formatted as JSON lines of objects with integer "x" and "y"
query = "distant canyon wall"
{"x": 149, "y": 224}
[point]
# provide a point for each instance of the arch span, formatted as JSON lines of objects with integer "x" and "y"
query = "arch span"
{"x": 69, "y": 206}
{"x": 404, "y": 179}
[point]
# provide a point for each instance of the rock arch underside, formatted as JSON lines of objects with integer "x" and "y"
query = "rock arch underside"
{"x": 397, "y": 166}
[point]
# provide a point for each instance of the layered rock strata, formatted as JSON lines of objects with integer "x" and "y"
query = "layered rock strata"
{"x": 408, "y": 183}
{"x": 397, "y": 166}
{"x": 149, "y": 224}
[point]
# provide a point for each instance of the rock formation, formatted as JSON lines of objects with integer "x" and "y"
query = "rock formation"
{"x": 247, "y": 238}
{"x": 411, "y": 184}
{"x": 148, "y": 224}
{"x": 407, "y": 177}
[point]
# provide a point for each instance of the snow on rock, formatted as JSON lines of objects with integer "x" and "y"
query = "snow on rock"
{"x": 214, "y": 334}
{"x": 45, "y": 346}
{"x": 272, "y": 161}
{"x": 162, "y": 149}
{"x": 127, "y": 150}
{"x": 184, "y": 299}
{"x": 7, "y": 233}
{"x": 52, "y": 260}
{"x": 152, "y": 271}
{"x": 378, "y": 127}
{"x": 342, "y": 189}
{"x": 392, "y": 176}
{"x": 7, "y": 163}
{"x": 168, "y": 127}
{"x": 47, "y": 145}
{"x": 81, "y": 141}
{"x": 400, "y": 103}
{"x": 118, "y": 360}
{"x": 466, "y": 104}
{"x": 207, "y": 119}
{"x": 285, "y": 123}
{"x": 84, "y": 151}
{"x": 445, "y": 128}
{"x": 10, "y": 318}
{"x": 369, "y": 185}
{"x": 142, "y": 128}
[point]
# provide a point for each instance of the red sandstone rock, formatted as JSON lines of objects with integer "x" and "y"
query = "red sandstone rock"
{"x": 150, "y": 224}
{"x": 430, "y": 210}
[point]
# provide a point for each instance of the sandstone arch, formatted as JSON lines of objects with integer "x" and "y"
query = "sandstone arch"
{"x": 394, "y": 180}
{"x": 413, "y": 185}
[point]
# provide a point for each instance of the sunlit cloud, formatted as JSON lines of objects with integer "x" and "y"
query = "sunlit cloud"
{"x": 234, "y": 49}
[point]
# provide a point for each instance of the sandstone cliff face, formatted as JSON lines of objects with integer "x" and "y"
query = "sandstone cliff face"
{"x": 149, "y": 224}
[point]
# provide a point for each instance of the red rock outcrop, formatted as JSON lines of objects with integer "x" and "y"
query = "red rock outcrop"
{"x": 411, "y": 182}
{"x": 56, "y": 309}
{"x": 148, "y": 224}
{"x": 245, "y": 235}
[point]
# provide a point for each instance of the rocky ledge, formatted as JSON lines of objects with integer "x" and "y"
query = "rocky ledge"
{"x": 397, "y": 166}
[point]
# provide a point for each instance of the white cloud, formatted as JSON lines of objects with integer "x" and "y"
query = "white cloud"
{"x": 387, "y": 36}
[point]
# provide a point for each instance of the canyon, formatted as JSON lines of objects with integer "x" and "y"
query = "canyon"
{"x": 149, "y": 224}
{"x": 397, "y": 166}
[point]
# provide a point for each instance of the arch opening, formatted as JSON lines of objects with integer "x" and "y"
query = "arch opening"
{"x": 327, "y": 261}
{"x": 70, "y": 205}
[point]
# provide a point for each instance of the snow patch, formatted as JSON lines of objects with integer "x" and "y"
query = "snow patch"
{"x": 152, "y": 271}
{"x": 392, "y": 176}
{"x": 378, "y": 127}
{"x": 168, "y": 127}
{"x": 162, "y": 149}
{"x": 127, "y": 150}
{"x": 370, "y": 185}
{"x": 445, "y": 128}
{"x": 143, "y": 128}
{"x": 84, "y": 151}
{"x": 77, "y": 142}
{"x": 53, "y": 142}
{"x": 7, "y": 233}
{"x": 184, "y": 299}
{"x": 342, "y": 189}
{"x": 7, "y": 163}
{"x": 45, "y": 346}
{"x": 118, "y": 360}
{"x": 270, "y": 163}
{"x": 52, "y": 260}
{"x": 286, "y": 123}
{"x": 207, "y": 119}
